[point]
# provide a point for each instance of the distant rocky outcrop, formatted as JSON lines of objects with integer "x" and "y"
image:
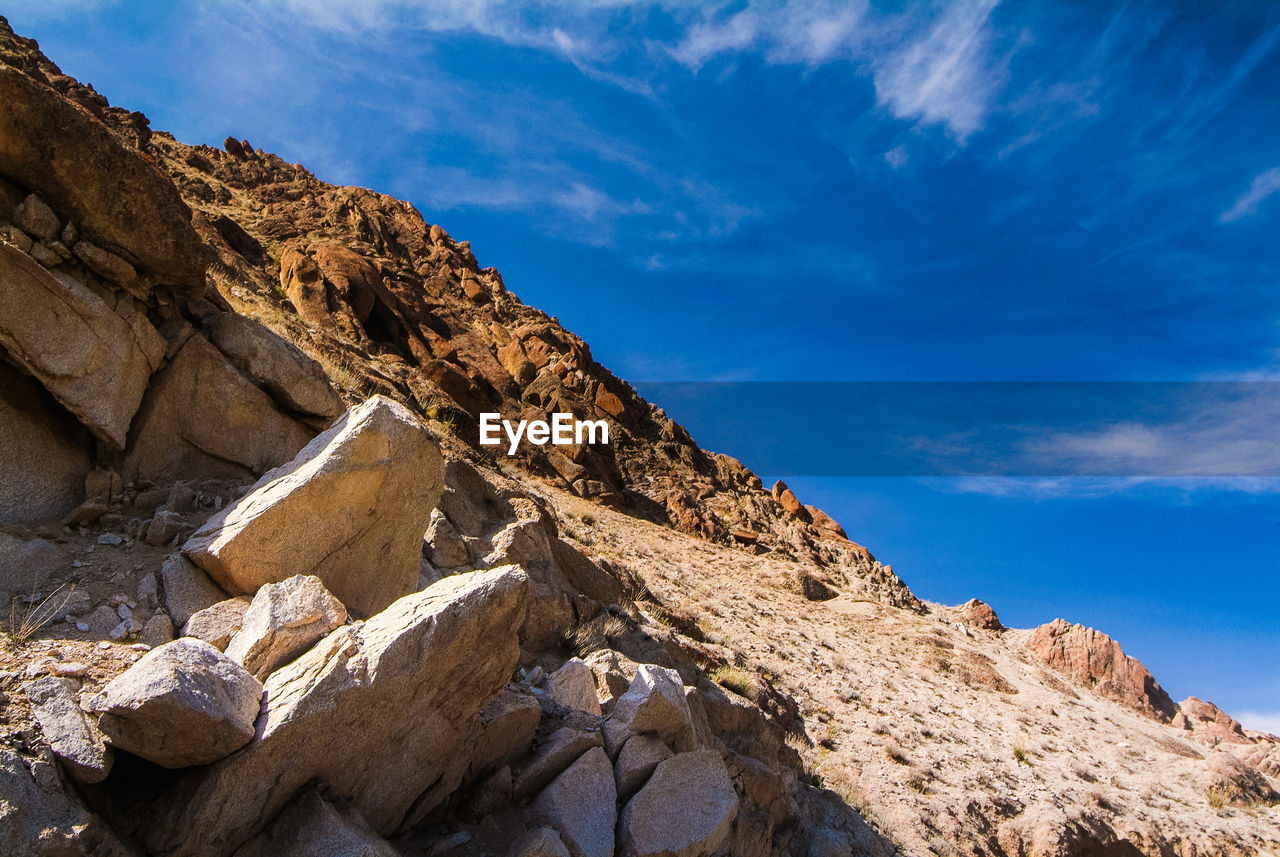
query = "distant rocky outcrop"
{"x": 1095, "y": 661}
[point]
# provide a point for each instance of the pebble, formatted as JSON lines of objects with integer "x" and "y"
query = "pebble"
{"x": 123, "y": 611}
{"x": 81, "y": 627}
{"x": 140, "y": 647}
{"x": 104, "y": 645}
{"x": 119, "y": 632}
{"x": 70, "y": 669}
{"x": 111, "y": 539}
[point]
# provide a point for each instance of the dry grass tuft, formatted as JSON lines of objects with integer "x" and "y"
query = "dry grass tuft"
{"x": 738, "y": 680}
{"x": 25, "y": 622}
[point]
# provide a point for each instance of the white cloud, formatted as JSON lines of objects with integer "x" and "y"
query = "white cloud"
{"x": 1264, "y": 185}
{"x": 942, "y": 72}
{"x": 896, "y": 157}
{"x": 1263, "y": 721}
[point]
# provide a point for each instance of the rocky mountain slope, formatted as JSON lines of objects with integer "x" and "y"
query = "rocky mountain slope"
{"x": 270, "y": 596}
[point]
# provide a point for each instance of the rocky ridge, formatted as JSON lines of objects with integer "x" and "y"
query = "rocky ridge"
{"x": 217, "y": 367}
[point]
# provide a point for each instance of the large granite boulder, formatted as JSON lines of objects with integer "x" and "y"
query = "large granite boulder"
{"x": 581, "y": 806}
{"x": 350, "y": 509}
{"x": 183, "y": 704}
{"x": 375, "y": 715}
{"x": 117, "y": 197}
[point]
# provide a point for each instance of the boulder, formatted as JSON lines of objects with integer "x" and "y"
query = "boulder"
{"x": 184, "y": 703}
{"x": 541, "y": 842}
{"x": 187, "y": 589}
{"x": 581, "y": 805}
{"x": 402, "y": 690}
{"x": 979, "y": 614}
{"x": 507, "y": 726}
{"x": 561, "y": 749}
{"x": 157, "y": 630}
{"x": 73, "y": 737}
{"x": 202, "y": 418}
{"x": 685, "y": 810}
{"x": 442, "y": 545}
{"x": 1093, "y": 660}
{"x": 614, "y": 673}
{"x": 89, "y": 358}
{"x": 311, "y": 826}
{"x": 655, "y": 703}
{"x": 115, "y": 195}
{"x": 350, "y": 509}
{"x": 639, "y": 756}
{"x": 218, "y": 623}
{"x": 44, "y": 452}
{"x": 284, "y": 620}
{"x": 37, "y": 219}
{"x": 295, "y": 380}
{"x": 574, "y": 686}
{"x": 26, "y": 565}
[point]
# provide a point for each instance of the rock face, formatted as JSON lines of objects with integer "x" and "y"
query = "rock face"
{"x": 182, "y": 704}
{"x": 284, "y": 620}
{"x": 92, "y": 360}
{"x": 581, "y": 806}
{"x": 289, "y": 375}
{"x": 310, "y": 826}
{"x": 1095, "y": 661}
{"x": 44, "y": 453}
{"x": 74, "y": 739}
{"x": 403, "y": 691}
{"x": 354, "y": 503}
{"x": 1199, "y": 716}
{"x": 685, "y": 810}
{"x": 202, "y": 417}
{"x": 639, "y": 756}
{"x": 79, "y": 167}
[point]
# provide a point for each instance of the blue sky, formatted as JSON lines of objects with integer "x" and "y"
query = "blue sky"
{"x": 822, "y": 191}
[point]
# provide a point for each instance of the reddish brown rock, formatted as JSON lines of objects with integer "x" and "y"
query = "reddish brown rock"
{"x": 979, "y": 614}
{"x": 115, "y": 195}
{"x": 789, "y": 502}
{"x": 1210, "y": 721}
{"x": 1093, "y": 660}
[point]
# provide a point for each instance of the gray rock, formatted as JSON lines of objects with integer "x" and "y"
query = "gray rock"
{"x": 44, "y": 455}
{"x": 40, "y": 815}
{"x": 158, "y": 630}
{"x": 561, "y": 749}
{"x": 218, "y": 623}
{"x": 26, "y": 565}
{"x": 102, "y": 620}
{"x": 37, "y": 219}
{"x": 382, "y": 712}
{"x": 581, "y": 805}
{"x": 148, "y": 594}
{"x": 507, "y": 726}
{"x": 284, "y": 620}
{"x": 182, "y": 704}
{"x": 656, "y": 703}
{"x": 187, "y": 589}
{"x": 73, "y": 738}
{"x": 637, "y": 760}
{"x": 104, "y": 263}
{"x": 685, "y": 810}
{"x": 310, "y": 826}
{"x": 574, "y": 686}
{"x": 442, "y": 544}
{"x": 542, "y": 842}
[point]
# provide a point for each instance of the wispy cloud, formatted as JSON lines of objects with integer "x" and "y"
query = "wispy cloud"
{"x": 941, "y": 72}
{"x": 1263, "y": 186}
